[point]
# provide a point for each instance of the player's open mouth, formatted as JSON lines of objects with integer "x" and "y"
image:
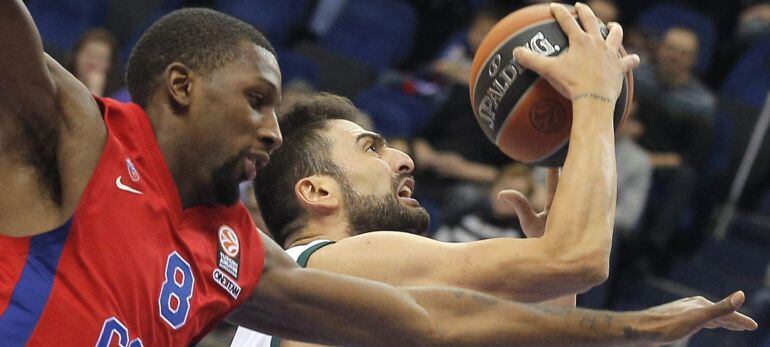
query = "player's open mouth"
{"x": 405, "y": 190}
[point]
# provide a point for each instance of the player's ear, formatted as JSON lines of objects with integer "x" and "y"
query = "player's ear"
{"x": 318, "y": 194}
{"x": 177, "y": 80}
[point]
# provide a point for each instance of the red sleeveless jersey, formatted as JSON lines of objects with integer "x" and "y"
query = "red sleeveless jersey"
{"x": 130, "y": 268}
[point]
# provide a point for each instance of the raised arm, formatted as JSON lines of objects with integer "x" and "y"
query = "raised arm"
{"x": 51, "y": 133}
{"x": 327, "y": 308}
{"x": 578, "y": 232}
{"x": 24, "y": 77}
{"x": 572, "y": 255}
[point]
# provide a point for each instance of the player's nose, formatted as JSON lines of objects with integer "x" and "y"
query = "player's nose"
{"x": 269, "y": 134}
{"x": 399, "y": 161}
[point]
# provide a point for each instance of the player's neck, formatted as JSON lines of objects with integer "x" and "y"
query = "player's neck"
{"x": 332, "y": 230}
{"x": 167, "y": 134}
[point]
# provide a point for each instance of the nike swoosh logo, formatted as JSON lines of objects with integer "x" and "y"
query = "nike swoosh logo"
{"x": 122, "y": 186}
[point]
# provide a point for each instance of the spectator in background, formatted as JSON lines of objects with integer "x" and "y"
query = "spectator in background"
{"x": 634, "y": 176}
{"x": 455, "y": 161}
{"x": 491, "y": 217}
{"x": 94, "y": 62}
{"x": 754, "y": 22}
{"x": 606, "y": 10}
{"x": 299, "y": 89}
{"x": 676, "y": 112}
{"x": 454, "y": 62}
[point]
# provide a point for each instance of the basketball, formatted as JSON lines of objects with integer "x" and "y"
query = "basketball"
{"x": 517, "y": 110}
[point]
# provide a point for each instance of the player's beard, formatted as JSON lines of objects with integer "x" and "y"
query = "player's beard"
{"x": 370, "y": 212}
{"x": 226, "y": 182}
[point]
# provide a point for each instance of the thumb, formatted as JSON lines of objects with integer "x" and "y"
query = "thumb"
{"x": 727, "y": 306}
{"x": 530, "y": 60}
{"x": 520, "y": 204}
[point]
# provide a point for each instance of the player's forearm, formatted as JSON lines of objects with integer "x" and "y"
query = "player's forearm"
{"x": 464, "y": 318}
{"x": 522, "y": 270}
{"x": 579, "y": 227}
{"x": 349, "y": 311}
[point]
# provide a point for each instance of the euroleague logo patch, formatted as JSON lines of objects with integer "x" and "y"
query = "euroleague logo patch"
{"x": 229, "y": 241}
{"x": 548, "y": 116}
{"x": 229, "y": 250}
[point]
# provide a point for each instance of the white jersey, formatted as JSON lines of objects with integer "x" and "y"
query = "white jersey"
{"x": 249, "y": 338}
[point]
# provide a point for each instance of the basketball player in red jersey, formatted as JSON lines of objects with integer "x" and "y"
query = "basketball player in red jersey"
{"x": 120, "y": 223}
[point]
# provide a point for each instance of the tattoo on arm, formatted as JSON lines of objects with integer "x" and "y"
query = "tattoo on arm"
{"x": 595, "y": 96}
{"x": 600, "y": 324}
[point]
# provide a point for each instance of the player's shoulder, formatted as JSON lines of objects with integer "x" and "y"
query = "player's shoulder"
{"x": 388, "y": 238}
{"x": 371, "y": 248}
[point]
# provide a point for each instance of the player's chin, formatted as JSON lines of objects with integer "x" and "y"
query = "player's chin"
{"x": 226, "y": 184}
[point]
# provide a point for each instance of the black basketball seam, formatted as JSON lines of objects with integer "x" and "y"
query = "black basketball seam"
{"x": 508, "y": 117}
{"x": 501, "y": 44}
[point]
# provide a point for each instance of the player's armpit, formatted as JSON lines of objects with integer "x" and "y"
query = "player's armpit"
{"x": 51, "y": 133}
{"x": 83, "y": 134}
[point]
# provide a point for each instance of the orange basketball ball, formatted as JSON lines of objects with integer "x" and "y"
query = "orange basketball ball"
{"x": 519, "y": 111}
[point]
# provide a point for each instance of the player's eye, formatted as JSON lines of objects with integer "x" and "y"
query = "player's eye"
{"x": 256, "y": 100}
{"x": 372, "y": 148}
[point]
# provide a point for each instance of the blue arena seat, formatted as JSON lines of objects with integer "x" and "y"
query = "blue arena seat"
{"x": 162, "y": 9}
{"x": 277, "y": 19}
{"x": 375, "y": 32}
{"x": 394, "y": 113}
{"x": 749, "y": 80}
{"x": 296, "y": 66}
{"x": 62, "y": 22}
{"x": 742, "y": 96}
{"x": 723, "y": 266}
{"x": 659, "y": 18}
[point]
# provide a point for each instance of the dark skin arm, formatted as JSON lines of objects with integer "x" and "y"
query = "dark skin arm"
{"x": 51, "y": 133}
{"x": 320, "y": 307}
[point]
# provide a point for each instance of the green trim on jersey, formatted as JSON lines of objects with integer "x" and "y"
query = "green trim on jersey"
{"x": 304, "y": 257}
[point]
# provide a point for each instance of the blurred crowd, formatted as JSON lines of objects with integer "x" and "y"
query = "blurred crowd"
{"x": 699, "y": 93}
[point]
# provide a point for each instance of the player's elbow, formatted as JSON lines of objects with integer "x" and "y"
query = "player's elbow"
{"x": 595, "y": 273}
{"x": 591, "y": 271}
{"x": 583, "y": 271}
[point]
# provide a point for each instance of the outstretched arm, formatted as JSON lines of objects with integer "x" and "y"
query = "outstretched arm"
{"x": 51, "y": 133}
{"x": 326, "y": 308}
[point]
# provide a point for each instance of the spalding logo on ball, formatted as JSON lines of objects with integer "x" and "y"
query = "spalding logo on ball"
{"x": 519, "y": 111}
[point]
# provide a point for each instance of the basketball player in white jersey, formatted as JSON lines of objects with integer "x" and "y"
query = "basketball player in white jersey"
{"x": 330, "y": 190}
